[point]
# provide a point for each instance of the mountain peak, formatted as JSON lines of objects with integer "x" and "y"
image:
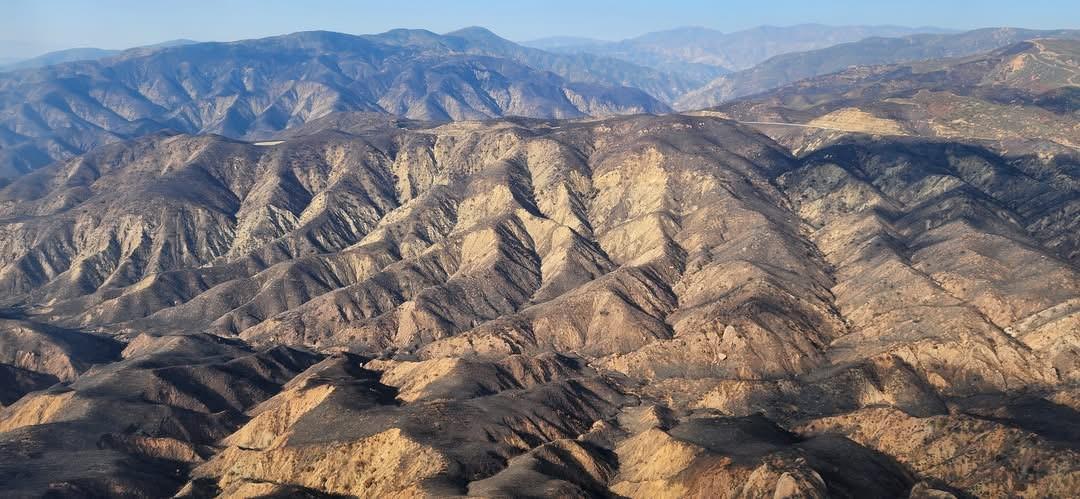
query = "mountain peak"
{"x": 476, "y": 33}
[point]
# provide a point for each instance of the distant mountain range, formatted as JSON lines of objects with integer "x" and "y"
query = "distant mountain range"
{"x": 252, "y": 88}
{"x": 79, "y": 54}
{"x": 1025, "y": 90}
{"x": 690, "y": 47}
{"x": 787, "y": 68}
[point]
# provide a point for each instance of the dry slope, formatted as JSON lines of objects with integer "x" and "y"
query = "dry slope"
{"x": 637, "y": 306}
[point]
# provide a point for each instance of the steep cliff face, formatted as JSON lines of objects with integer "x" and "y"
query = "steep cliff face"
{"x": 637, "y": 306}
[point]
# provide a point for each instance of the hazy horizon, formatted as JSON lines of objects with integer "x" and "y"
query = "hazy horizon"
{"x": 34, "y": 28}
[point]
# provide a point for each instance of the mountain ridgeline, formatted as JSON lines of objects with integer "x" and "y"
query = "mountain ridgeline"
{"x": 252, "y": 88}
{"x": 1025, "y": 91}
{"x": 787, "y": 68}
{"x": 248, "y": 88}
{"x": 703, "y": 49}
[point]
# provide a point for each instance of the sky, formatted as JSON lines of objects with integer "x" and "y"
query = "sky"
{"x": 30, "y": 27}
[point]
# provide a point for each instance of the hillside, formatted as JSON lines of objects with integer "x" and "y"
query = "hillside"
{"x": 633, "y": 306}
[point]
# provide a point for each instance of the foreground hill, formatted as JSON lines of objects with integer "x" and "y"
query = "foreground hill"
{"x": 638, "y": 306}
{"x": 787, "y": 68}
{"x": 254, "y": 87}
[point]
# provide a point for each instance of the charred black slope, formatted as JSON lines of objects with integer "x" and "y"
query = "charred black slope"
{"x": 136, "y": 426}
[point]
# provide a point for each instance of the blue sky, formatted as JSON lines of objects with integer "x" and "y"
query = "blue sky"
{"x": 39, "y": 25}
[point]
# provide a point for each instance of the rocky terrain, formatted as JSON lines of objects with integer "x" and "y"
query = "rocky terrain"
{"x": 647, "y": 306}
